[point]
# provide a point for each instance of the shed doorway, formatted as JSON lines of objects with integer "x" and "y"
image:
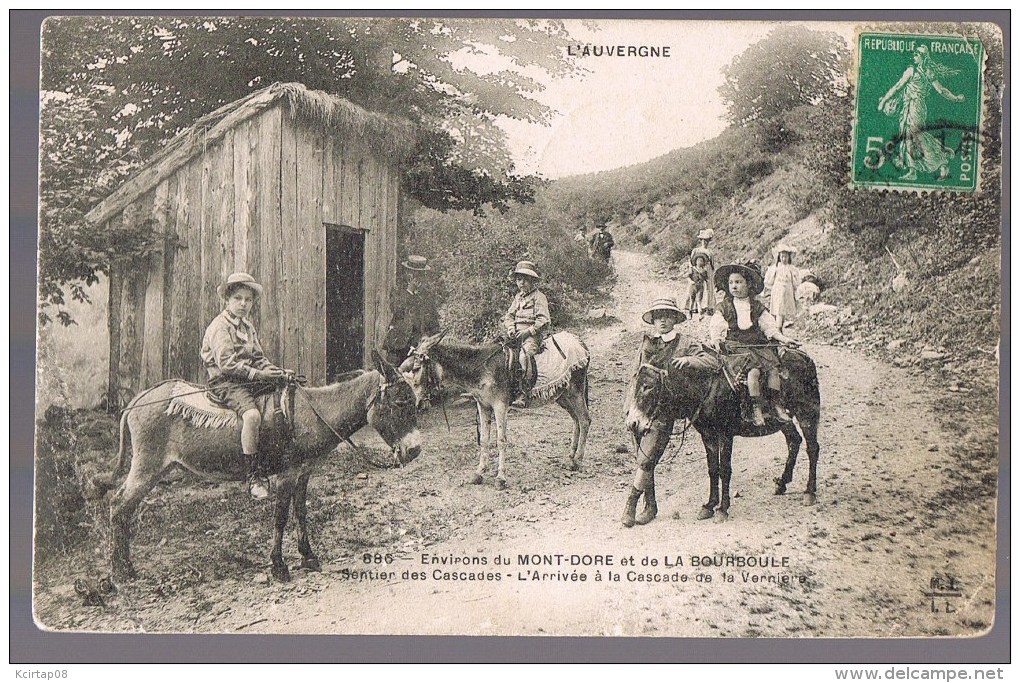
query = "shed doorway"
{"x": 345, "y": 299}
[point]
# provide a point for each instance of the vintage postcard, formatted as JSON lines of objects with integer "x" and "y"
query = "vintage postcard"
{"x": 512, "y": 327}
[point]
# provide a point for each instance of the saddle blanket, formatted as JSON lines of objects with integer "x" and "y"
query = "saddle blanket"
{"x": 190, "y": 402}
{"x": 554, "y": 368}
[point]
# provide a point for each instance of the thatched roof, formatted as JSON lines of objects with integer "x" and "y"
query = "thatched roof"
{"x": 387, "y": 136}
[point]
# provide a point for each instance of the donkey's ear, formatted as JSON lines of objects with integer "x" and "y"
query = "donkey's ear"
{"x": 384, "y": 367}
{"x": 379, "y": 362}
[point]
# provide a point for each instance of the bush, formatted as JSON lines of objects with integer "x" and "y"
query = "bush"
{"x": 474, "y": 255}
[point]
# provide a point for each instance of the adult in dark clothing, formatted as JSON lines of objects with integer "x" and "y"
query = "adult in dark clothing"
{"x": 602, "y": 244}
{"x": 413, "y": 311}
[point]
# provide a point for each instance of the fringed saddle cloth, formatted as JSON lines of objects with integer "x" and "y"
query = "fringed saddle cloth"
{"x": 191, "y": 403}
{"x": 562, "y": 353}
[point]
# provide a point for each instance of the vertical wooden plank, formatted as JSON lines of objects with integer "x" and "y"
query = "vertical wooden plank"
{"x": 270, "y": 207}
{"x": 253, "y": 250}
{"x": 328, "y": 171}
{"x": 171, "y": 248}
{"x": 313, "y": 267}
{"x": 286, "y": 289}
{"x": 152, "y": 349}
{"x": 374, "y": 304}
{"x": 349, "y": 184}
{"x": 187, "y": 309}
{"x": 242, "y": 195}
{"x": 223, "y": 202}
{"x": 134, "y": 218}
{"x": 307, "y": 220}
{"x": 206, "y": 210}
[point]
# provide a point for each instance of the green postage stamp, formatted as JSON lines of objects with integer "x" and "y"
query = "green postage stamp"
{"x": 918, "y": 114}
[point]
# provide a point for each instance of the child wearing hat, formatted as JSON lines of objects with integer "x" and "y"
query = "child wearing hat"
{"x": 706, "y": 298}
{"x": 239, "y": 370}
{"x": 745, "y": 326}
{"x": 413, "y": 313}
{"x": 783, "y": 278}
{"x": 697, "y": 281}
{"x": 664, "y": 316}
{"x": 525, "y": 320}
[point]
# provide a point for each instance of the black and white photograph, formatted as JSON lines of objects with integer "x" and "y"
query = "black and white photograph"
{"x": 509, "y": 326}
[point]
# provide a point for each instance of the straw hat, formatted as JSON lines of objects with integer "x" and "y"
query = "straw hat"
{"x": 780, "y": 248}
{"x": 750, "y": 271}
{"x": 706, "y": 234}
{"x": 525, "y": 268}
{"x": 415, "y": 262}
{"x": 239, "y": 279}
{"x": 664, "y": 304}
{"x": 698, "y": 251}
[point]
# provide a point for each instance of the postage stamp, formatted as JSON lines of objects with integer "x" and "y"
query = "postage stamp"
{"x": 917, "y": 123}
{"x": 400, "y": 211}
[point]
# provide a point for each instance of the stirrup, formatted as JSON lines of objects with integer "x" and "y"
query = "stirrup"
{"x": 258, "y": 487}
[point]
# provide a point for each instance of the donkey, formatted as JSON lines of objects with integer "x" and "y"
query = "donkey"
{"x": 162, "y": 436}
{"x": 698, "y": 392}
{"x": 484, "y": 372}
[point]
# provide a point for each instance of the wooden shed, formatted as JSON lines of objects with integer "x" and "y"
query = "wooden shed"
{"x": 295, "y": 186}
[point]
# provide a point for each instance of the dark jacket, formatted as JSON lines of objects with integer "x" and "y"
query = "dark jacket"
{"x": 412, "y": 316}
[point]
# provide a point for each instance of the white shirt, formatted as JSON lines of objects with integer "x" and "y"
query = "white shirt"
{"x": 718, "y": 327}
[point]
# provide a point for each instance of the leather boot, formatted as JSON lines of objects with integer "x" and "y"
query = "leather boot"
{"x": 651, "y": 506}
{"x": 628, "y": 511}
{"x": 258, "y": 484}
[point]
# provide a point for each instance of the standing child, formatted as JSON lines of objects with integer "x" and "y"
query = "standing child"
{"x": 697, "y": 281}
{"x": 743, "y": 325}
{"x": 526, "y": 319}
{"x": 707, "y": 300}
{"x": 238, "y": 369}
{"x": 783, "y": 278}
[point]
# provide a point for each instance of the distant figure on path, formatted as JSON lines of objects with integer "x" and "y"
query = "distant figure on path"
{"x": 783, "y": 278}
{"x": 706, "y": 302}
{"x": 602, "y": 244}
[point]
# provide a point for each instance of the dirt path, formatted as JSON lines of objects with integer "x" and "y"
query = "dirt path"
{"x": 416, "y": 551}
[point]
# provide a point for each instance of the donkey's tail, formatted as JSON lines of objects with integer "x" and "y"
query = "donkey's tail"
{"x": 98, "y": 486}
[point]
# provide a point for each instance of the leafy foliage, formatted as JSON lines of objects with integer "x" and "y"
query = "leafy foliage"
{"x": 116, "y": 88}
{"x": 474, "y": 254}
{"x": 793, "y": 66}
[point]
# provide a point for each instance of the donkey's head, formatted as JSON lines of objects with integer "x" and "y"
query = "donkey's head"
{"x": 422, "y": 373}
{"x": 392, "y": 412}
{"x": 646, "y": 399}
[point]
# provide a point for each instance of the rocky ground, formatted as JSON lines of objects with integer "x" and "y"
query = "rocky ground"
{"x": 906, "y": 502}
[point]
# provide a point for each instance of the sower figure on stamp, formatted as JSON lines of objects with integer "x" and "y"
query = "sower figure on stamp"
{"x": 742, "y": 326}
{"x": 919, "y": 149}
{"x": 239, "y": 370}
{"x": 525, "y": 321}
{"x": 413, "y": 313}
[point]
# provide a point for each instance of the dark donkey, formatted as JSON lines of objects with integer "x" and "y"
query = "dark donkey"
{"x": 162, "y": 438}
{"x": 697, "y": 391}
{"x": 483, "y": 372}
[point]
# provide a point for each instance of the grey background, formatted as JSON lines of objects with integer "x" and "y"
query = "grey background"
{"x": 28, "y": 644}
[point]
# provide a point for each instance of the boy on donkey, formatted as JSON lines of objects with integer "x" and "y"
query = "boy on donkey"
{"x": 525, "y": 320}
{"x": 238, "y": 369}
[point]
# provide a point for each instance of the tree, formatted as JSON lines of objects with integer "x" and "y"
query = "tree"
{"x": 116, "y": 88}
{"x": 793, "y": 66}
